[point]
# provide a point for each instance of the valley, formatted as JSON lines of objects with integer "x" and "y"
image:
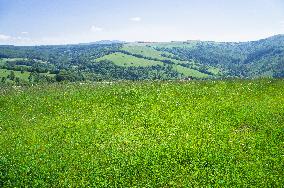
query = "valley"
{"x": 148, "y": 61}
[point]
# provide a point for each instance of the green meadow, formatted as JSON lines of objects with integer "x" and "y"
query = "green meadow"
{"x": 23, "y": 76}
{"x": 190, "y": 72}
{"x": 121, "y": 59}
{"x": 143, "y": 134}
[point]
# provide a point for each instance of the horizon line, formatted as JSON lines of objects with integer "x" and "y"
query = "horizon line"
{"x": 140, "y": 41}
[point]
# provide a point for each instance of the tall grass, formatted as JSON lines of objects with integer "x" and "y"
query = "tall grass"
{"x": 144, "y": 134}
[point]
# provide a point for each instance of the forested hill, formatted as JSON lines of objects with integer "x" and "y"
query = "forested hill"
{"x": 114, "y": 60}
{"x": 247, "y": 59}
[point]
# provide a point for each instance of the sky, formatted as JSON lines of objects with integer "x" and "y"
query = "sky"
{"x": 45, "y": 22}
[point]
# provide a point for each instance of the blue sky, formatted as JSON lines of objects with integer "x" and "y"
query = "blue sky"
{"x": 35, "y": 22}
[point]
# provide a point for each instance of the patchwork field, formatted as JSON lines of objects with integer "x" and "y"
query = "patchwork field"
{"x": 143, "y": 134}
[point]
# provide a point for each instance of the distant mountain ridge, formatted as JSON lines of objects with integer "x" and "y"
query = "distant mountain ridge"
{"x": 104, "y": 42}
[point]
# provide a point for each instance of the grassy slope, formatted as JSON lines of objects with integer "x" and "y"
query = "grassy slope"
{"x": 190, "y": 44}
{"x": 142, "y": 49}
{"x": 151, "y": 52}
{"x": 190, "y": 72}
{"x": 168, "y": 134}
{"x": 148, "y": 50}
{"x": 127, "y": 60}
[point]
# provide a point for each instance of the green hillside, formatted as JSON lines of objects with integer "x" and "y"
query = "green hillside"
{"x": 143, "y": 56}
{"x": 246, "y": 59}
{"x": 189, "y": 72}
{"x": 187, "y": 68}
{"x": 148, "y": 51}
{"x": 143, "y": 134}
{"x": 147, "y": 61}
{"x": 121, "y": 59}
{"x": 144, "y": 50}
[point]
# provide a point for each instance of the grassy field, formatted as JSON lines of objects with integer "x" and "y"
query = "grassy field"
{"x": 143, "y": 134}
{"x": 24, "y": 76}
{"x": 190, "y": 72}
{"x": 128, "y": 60}
{"x": 148, "y": 50}
{"x": 144, "y": 50}
{"x": 151, "y": 52}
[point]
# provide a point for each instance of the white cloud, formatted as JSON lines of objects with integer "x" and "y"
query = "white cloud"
{"x": 96, "y": 29}
{"x": 135, "y": 19}
{"x": 14, "y": 40}
{"x": 24, "y": 32}
{"x": 4, "y": 37}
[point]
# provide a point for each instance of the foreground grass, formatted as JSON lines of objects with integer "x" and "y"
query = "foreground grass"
{"x": 213, "y": 133}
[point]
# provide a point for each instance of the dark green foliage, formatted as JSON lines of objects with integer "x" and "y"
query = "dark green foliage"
{"x": 17, "y": 80}
{"x": 143, "y": 134}
{"x": 12, "y": 75}
{"x": 36, "y": 77}
{"x": 3, "y": 79}
{"x": 68, "y": 76}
